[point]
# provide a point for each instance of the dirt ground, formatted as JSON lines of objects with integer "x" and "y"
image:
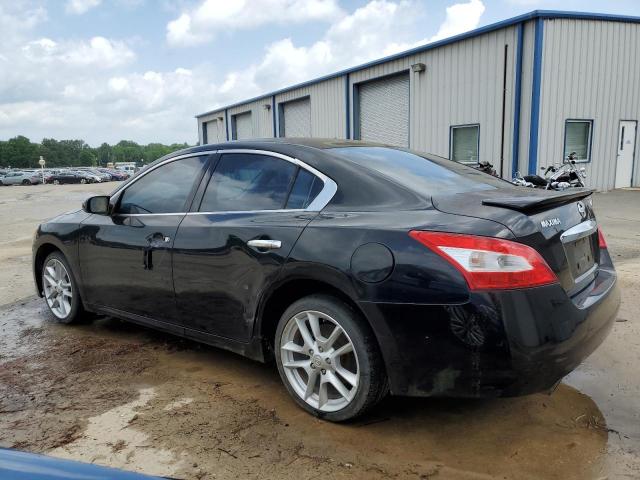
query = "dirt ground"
{"x": 121, "y": 395}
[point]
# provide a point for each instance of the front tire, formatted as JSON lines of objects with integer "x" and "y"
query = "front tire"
{"x": 328, "y": 358}
{"x": 82, "y": 180}
{"x": 60, "y": 290}
{"x": 26, "y": 182}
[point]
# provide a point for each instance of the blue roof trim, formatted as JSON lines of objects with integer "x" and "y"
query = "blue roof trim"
{"x": 536, "y": 14}
{"x": 535, "y": 97}
{"x": 518, "y": 102}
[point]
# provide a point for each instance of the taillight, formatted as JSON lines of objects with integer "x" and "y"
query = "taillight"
{"x": 602, "y": 243}
{"x": 489, "y": 263}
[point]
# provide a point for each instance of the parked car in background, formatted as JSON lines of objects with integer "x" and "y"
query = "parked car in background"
{"x": 100, "y": 176}
{"x": 68, "y": 176}
{"x": 115, "y": 174}
{"x": 361, "y": 269}
{"x": 90, "y": 177}
{"x": 21, "y": 178}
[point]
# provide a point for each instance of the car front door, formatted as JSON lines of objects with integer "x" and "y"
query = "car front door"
{"x": 11, "y": 179}
{"x": 126, "y": 256}
{"x": 249, "y": 213}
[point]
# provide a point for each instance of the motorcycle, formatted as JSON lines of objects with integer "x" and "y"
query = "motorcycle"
{"x": 567, "y": 175}
{"x": 487, "y": 167}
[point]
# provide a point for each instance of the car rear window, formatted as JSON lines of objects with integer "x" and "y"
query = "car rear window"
{"x": 419, "y": 173}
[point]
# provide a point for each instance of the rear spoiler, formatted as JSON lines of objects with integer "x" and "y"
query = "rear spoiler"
{"x": 524, "y": 203}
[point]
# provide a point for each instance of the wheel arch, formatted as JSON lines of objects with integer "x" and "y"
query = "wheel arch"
{"x": 292, "y": 288}
{"x": 43, "y": 251}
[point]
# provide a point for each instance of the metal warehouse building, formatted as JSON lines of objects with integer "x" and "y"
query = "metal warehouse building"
{"x": 522, "y": 93}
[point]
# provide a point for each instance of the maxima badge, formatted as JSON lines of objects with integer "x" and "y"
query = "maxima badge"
{"x": 550, "y": 222}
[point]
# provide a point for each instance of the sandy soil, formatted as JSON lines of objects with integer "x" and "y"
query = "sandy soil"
{"x": 117, "y": 394}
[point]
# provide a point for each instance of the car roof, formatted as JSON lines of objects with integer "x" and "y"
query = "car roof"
{"x": 359, "y": 187}
{"x": 274, "y": 143}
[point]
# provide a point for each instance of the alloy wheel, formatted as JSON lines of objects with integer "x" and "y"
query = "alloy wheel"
{"x": 58, "y": 289}
{"x": 319, "y": 361}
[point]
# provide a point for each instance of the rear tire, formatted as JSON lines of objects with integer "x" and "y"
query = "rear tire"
{"x": 82, "y": 180}
{"x": 60, "y": 289}
{"x": 328, "y": 358}
{"x": 26, "y": 182}
{"x": 56, "y": 182}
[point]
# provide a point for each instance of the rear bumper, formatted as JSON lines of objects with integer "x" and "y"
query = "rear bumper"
{"x": 503, "y": 343}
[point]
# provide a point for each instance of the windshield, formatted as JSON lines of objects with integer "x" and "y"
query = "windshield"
{"x": 422, "y": 174}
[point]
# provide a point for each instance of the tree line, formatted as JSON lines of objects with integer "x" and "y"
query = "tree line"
{"x": 20, "y": 152}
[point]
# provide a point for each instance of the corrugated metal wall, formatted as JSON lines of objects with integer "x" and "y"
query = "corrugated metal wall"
{"x": 590, "y": 70}
{"x": 525, "y": 95}
{"x": 462, "y": 84}
{"x": 261, "y": 117}
{"x": 328, "y": 116}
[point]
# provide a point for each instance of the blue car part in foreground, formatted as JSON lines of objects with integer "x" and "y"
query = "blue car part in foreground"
{"x": 16, "y": 465}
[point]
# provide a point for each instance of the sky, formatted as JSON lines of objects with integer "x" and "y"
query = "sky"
{"x": 108, "y": 70}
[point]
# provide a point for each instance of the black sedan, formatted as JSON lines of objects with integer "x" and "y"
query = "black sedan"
{"x": 68, "y": 176}
{"x": 361, "y": 269}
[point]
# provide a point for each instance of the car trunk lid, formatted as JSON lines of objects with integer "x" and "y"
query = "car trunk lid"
{"x": 561, "y": 226}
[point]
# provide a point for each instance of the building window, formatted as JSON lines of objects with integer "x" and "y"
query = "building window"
{"x": 465, "y": 143}
{"x": 577, "y": 138}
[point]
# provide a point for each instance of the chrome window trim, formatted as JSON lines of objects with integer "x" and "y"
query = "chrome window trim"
{"x": 232, "y": 212}
{"x": 581, "y": 230}
{"x": 322, "y": 199}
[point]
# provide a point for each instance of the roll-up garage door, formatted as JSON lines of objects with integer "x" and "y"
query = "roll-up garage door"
{"x": 242, "y": 126}
{"x": 220, "y": 133}
{"x": 384, "y": 110}
{"x": 297, "y": 118}
{"x": 212, "y": 131}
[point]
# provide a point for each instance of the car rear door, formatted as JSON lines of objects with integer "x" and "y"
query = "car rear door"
{"x": 229, "y": 249}
{"x": 126, "y": 256}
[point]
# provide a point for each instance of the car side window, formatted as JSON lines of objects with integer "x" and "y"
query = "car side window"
{"x": 163, "y": 190}
{"x": 305, "y": 189}
{"x": 245, "y": 182}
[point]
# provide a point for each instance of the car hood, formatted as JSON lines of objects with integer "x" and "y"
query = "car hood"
{"x": 73, "y": 216}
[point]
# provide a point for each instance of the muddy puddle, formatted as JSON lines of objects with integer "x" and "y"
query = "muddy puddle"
{"x": 116, "y": 394}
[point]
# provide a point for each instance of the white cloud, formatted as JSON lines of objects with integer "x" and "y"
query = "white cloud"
{"x": 17, "y": 19}
{"x": 78, "y": 7}
{"x": 202, "y": 23}
{"x": 98, "y": 52}
{"x": 94, "y": 89}
{"x": 364, "y": 35}
{"x": 461, "y": 17}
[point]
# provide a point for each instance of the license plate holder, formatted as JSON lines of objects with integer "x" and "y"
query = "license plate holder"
{"x": 581, "y": 256}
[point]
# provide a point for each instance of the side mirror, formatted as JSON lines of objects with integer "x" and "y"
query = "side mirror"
{"x": 98, "y": 205}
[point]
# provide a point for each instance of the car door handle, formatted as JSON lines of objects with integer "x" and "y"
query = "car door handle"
{"x": 158, "y": 238}
{"x": 265, "y": 244}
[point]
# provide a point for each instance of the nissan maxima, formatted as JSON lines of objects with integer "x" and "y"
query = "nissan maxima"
{"x": 361, "y": 269}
